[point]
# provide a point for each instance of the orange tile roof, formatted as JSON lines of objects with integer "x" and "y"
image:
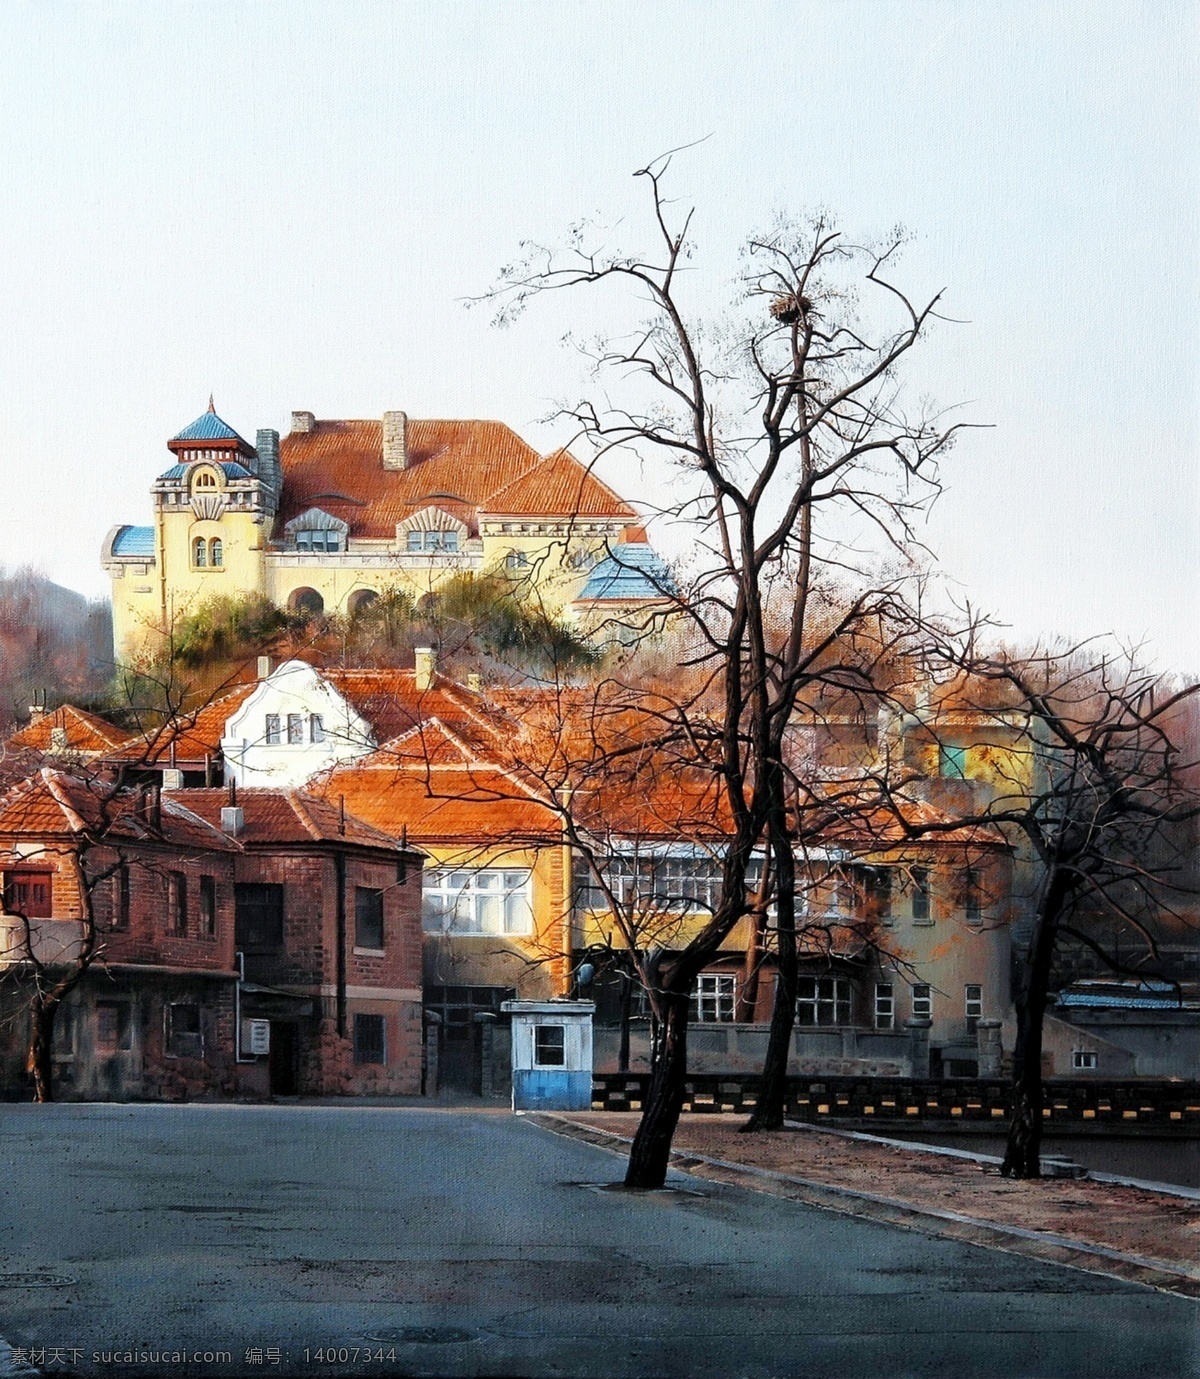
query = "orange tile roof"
{"x": 457, "y": 465}
{"x": 559, "y": 486}
{"x": 54, "y": 803}
{"x": 194, "y": 735}
{"x": 392, "y": 704}
{"x": 467, "y": 804}
{"x": 85, "y": 732}
{"x": 284, "y": 816}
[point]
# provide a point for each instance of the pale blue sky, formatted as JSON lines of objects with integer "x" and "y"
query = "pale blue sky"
{"x": 283, "y": 203}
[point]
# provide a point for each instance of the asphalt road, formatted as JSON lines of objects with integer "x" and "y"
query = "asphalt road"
{"x": 358, "y": 1240}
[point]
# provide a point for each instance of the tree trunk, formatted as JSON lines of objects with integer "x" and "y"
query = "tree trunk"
{"x": 651, "y": 1152}
{"x": 747, "y": 1001}
{"x": 1022, "y": 1154}
{"x": 38, "y": 1059}
{"x": 772, "y": 1092}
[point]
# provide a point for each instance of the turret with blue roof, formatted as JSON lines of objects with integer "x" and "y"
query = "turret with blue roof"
{"x": 209, "y": 437}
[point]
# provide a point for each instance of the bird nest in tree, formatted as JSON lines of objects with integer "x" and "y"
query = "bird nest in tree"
{"x": 788, "y": 308}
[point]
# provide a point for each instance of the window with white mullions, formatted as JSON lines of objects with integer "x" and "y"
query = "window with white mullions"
{"x": 487, "y": 901}
{"x": 823, "y": 1001}
{"x": 922, "y": 1002}
{"x": 715, "y": 998}
{"x": 972, "y": 1006}
{"x": 659, "y": 883}
{"x": 885, "y": 1005}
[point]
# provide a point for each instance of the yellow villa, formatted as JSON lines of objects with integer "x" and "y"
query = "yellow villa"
{"x": 337, "y": 512}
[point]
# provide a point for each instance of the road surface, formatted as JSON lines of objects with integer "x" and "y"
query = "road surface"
{"x": 307, "y": 1240}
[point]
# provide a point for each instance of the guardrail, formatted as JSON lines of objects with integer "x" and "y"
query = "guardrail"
{"x": 1071, "y": 1107}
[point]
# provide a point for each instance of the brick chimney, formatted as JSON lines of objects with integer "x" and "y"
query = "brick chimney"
{"x": 425, "y": 666}
{"x": 395, "y": 440}
{"x": 303, "y": 421}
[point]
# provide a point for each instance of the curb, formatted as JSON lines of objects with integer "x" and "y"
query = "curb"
{"x": 1052, "y": 1249}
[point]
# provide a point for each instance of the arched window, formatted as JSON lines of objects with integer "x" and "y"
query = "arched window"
{"x": 360, "y": 601}
{"x": 205, "y": 479}
{"x": 216, "y": 552}
{"x": 306, "y": 601}
{"x": 199, "y": 553}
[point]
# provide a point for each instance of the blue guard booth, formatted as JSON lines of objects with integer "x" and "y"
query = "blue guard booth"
{"x": 551, "y": 1055}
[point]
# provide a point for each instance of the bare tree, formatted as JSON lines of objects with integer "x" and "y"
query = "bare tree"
{"x": 787, "y": 408}
{"x": 1099, "y": 814}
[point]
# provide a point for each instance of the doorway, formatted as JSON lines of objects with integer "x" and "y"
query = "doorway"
{"x": 281, "y": 1061}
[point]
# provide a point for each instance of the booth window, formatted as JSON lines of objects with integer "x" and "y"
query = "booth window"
{"x": 549, "y": 1046}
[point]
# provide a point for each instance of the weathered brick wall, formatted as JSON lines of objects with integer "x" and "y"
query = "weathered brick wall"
{"x": 150, "y": 936}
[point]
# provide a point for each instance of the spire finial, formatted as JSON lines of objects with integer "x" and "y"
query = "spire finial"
{"x": 211, "y": 408}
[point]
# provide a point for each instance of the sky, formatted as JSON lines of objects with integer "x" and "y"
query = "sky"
{"x": 286, "y": 204}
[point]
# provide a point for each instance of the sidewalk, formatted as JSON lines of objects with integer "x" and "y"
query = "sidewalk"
{"x": 1126, "y": 1232}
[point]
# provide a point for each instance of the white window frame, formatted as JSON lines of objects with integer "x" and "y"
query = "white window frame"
{"x": 885, "y": 1005}
{"x": 316, "y": 727}
{"x": 972, "y": 1004}
{"x": 295, "y": 730}
{"x": 922, "y": 1002}
{"x": 487, "y": 901}
{"x": 716, "y": 998}
{"x": 541, "y": 1044}
{"x": 273, "y": 730}
{"x": 1084, "y": 1060}
{"x": 829, "y": 996}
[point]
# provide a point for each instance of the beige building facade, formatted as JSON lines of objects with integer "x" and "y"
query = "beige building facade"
{"x": 337, "y": 513}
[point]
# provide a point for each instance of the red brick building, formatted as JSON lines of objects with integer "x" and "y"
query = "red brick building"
{"x": 270, "y": 946}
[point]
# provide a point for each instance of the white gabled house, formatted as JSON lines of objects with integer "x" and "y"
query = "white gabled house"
{"x": 292, "y": 727}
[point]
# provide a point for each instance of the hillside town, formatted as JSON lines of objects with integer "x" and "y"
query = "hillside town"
{"x": 599, "y": 691}
{"x": 319, "y": 878}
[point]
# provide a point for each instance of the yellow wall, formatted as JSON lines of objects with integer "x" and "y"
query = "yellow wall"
{"x": 534, "y": 963}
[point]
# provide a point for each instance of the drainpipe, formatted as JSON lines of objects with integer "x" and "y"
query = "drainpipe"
{"x": 339, "y": 867}
{"x": 567, "y": 911}
{"x": 238, "y": 1056}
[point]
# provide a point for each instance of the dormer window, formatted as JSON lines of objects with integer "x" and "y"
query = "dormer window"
{"x": 317, "y": 532}
{"x": 319, "y": 541}
{"x": 432, "y": 542}
{"x": 205, "y": 479}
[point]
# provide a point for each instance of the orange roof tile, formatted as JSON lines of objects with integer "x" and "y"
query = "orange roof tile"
{"x": 559, "y": 486}
{"x": 54, "y": 803}
{"x": 85, "y": 732}
{"x": 392, "y": 704}
{"x": 456, "y": 465}
{"x": 469, "y": 803}
{"x": 284, "y": 816}
{"x": 194, "y": 735}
